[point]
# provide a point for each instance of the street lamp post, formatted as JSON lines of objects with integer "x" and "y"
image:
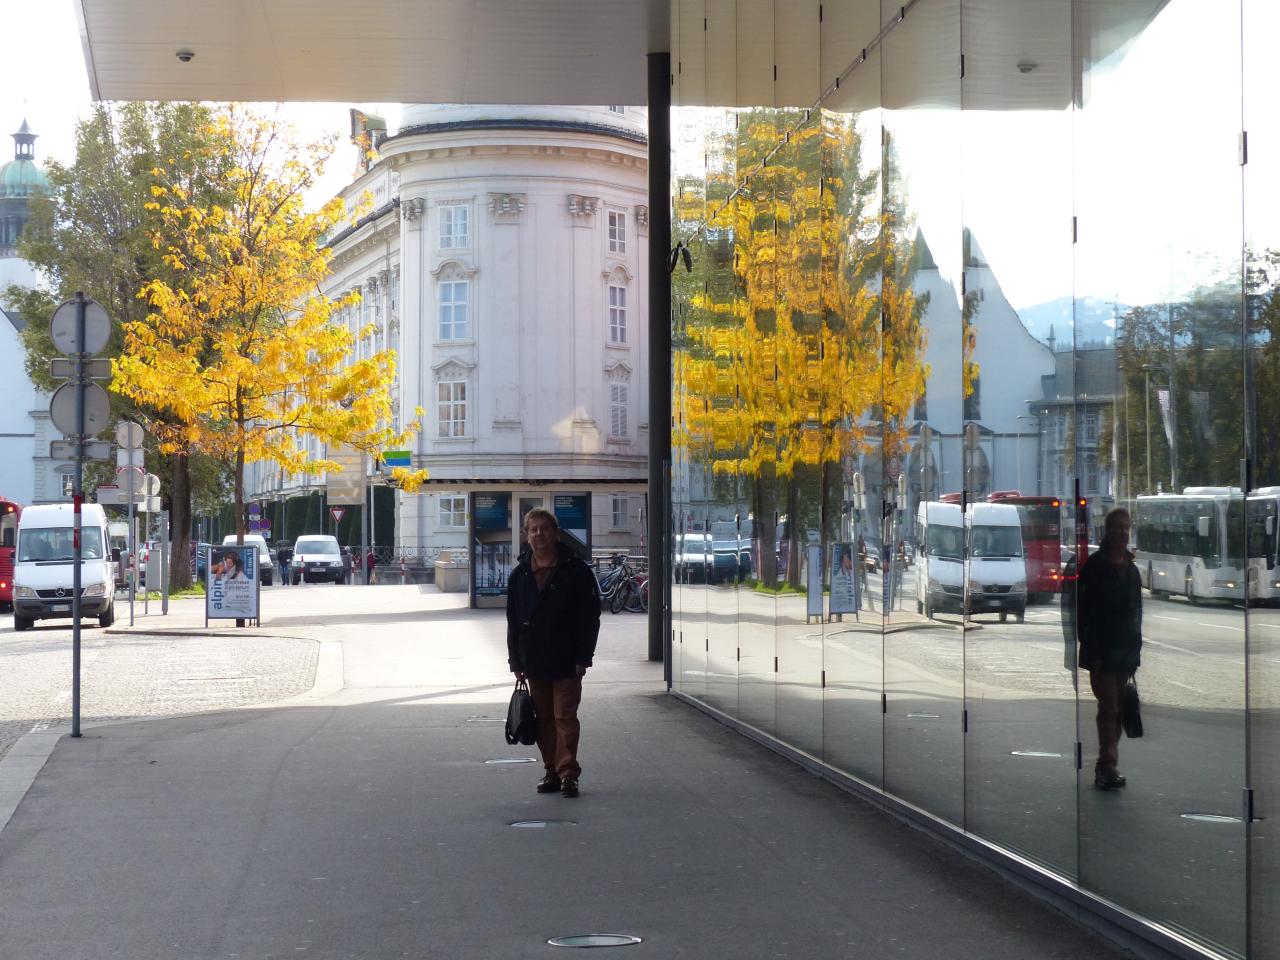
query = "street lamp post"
{"x": 1039, "y": 448}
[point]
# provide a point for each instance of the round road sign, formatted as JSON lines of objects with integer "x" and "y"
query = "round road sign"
{"x": 97, "y": 409}
{"x": 97, "y": 328}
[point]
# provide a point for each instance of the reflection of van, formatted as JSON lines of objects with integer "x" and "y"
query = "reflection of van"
{"x": 997, "y": 567}
{"x": 940, "y": 562}
{"x": 44, "y": 565}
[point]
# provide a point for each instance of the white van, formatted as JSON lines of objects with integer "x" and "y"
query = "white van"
{"x": 997, "y": 578}
{"x": 940, "y": 558}
{"x": 318, "y": 557}
{"x": 43, "y": 567}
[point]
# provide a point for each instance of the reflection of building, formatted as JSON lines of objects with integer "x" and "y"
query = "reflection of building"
{"x": 504, "y": 258}
{"x": 1073, "y": 413}
{"x": 26, "y": 472}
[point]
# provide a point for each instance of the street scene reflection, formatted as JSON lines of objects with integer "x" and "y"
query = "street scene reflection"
{"x": 931, "y": 335}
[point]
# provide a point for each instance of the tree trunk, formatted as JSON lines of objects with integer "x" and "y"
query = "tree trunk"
{"x": 180, "y": 573}
{"x": 239, "y": 494}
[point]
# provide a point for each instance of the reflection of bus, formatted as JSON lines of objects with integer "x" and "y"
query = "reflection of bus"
{"x": 1041, "y": 538}
{"x": 1262, "y": 539}
{"x": 1189, "y": 543}
{"x": 9, "y": 514}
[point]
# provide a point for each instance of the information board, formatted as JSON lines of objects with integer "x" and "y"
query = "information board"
{"x": 232, "y": 588}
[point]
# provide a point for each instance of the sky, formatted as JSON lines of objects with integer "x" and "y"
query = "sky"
{"x": 46, "y": 83}
{"x": 1160, "y": 166}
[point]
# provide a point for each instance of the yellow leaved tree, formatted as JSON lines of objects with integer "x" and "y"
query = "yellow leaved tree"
{"x": 242, "y": 352}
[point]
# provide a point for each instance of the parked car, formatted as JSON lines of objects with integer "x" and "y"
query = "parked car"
{"x": 317, "y": 557}
{"x": 266, "y": 568}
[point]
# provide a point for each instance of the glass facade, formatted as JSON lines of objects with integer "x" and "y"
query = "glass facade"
{"x": 965, "y": 276}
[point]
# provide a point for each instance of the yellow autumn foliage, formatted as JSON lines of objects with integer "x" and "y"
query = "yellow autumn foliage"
{"x": 244, "y": 355}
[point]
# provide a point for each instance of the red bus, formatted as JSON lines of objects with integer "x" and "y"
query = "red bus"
{"x": 1041, "y": 538}
{"x": 9, "y": 513}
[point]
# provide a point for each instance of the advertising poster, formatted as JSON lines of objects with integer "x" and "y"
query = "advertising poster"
{"x": 573, "y": 513}
{"x": 845, "y": 586}
{"x": 491, "y": 532}
{"x": 813, "y": 579}
{"x": 231, "y": 583}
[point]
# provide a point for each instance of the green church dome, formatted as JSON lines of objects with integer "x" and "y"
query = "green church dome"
{"x": 20, "y": 177}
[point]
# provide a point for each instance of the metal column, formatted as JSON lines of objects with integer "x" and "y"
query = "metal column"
{"x": 659, "y": 347}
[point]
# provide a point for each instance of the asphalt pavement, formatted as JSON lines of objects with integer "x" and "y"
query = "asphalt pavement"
{"x": 360, "y": 819}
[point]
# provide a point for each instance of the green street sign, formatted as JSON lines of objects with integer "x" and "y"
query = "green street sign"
{"x": 397, "y": 458}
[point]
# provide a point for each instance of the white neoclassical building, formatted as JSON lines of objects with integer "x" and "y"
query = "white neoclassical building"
{"x": 505, "y": 259}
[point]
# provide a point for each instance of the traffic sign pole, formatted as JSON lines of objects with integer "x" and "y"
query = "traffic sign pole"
{"x": 77, "y": 497}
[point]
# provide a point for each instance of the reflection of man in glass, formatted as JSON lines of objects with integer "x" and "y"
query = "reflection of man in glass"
{"x": 1109, "y": 611}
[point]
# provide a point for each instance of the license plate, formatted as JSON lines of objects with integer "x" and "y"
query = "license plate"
{"x": 60, "y": 608}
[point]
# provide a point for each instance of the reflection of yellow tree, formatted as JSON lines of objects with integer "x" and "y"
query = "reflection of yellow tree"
{"x": 801, "y": 321}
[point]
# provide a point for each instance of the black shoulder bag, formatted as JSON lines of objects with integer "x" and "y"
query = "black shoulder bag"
{"x": 522, "y": 722}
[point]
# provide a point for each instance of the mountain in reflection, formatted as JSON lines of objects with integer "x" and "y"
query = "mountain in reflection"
{"x": 1093, "y": 320}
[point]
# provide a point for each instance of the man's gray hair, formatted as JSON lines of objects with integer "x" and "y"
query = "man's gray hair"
{"x": 541, "y": 513}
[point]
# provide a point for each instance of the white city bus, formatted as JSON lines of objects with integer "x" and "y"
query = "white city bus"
{"x": 1263, "y": 542}
{"x": 1190, "y": 543}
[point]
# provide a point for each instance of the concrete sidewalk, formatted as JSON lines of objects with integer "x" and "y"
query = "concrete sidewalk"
{"x": 363, "y": 822}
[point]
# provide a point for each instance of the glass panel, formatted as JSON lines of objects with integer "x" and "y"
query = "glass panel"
{"x": 755, "y": 243}
{"x": 801, "y": 453}
{"x": 719, "y": 347}
{"x": 691, "y": 441}
{"x": 853, "y": 649}
{"x": 921, "y": 411}
{"x": 1158, "y": 330}
{"x": 1262, "y": 538}
{"x": 1020, "y": 745}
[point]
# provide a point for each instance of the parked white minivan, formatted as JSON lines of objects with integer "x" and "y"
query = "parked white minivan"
{"x": 317, "y": 557}
{"x": 44, "y": 565}
{"x": 997, "y": 565}
{"x": 940, "y": 558}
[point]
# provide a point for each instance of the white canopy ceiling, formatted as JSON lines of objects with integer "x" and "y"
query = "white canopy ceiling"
{"x": 585, "y": 51}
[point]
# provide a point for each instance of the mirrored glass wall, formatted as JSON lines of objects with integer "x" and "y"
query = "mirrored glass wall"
{"x": 965, "y": 277}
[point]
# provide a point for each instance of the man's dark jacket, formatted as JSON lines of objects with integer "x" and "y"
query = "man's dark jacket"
{"x": 550, "y": 633}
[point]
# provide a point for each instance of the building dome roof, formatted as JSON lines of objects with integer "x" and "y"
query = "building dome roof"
{"x": 20, "y": 177}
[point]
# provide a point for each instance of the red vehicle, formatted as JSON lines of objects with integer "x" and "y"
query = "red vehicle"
{"x": 1041, "y": 538}
{"x": 9, "y": 514}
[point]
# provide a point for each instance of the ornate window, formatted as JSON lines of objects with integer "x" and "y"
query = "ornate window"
{"x": 617, "y": 231}
{"x": 454, "y": 226}
{"x": 618, "y": 386}
{"x": 451, "y": 403}
{"x": 454, "y": 298}
{"x": 617, "y": 314}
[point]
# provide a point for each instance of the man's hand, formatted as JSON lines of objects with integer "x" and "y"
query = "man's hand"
{"x": 519, "y": 674}
{"x": 582, "y": 671}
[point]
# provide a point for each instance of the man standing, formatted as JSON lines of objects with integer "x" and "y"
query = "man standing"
{"x": 1109, "y": 620}
{"x": 284, "y": 556}
{"x": 553, "y": 619}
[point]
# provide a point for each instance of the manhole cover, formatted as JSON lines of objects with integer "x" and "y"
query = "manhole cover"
{"x": 594, "y": 940}
{"x": 542, "y": 824}
{"x": 1036, "y": 753}
{"x": 1211, "y": 818}
{"x": 513, "y": 760}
